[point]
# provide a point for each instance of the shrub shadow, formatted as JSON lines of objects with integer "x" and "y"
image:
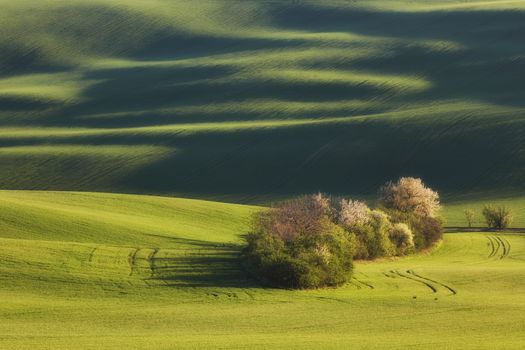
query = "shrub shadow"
{"x": 203, "y": 264}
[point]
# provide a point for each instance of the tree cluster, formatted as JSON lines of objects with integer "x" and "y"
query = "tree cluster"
{"x": 310, "y": 241}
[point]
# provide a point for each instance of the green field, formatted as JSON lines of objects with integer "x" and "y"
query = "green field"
{"x": 138, "y": 137}
{"x": 92, "y": 271}
{"x": 248, "y": 101}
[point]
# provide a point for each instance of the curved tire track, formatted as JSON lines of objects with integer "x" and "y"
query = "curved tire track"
{"x": 508, "y": 245}
{"x": 500, "y": 247}
{"x": 355, "y": 284}
{"x": 452, "y": 290}
{"x": 493, "y": 249}
{"x": 504, "y": 247}
{"x": 131, "y": 259}
{"x": 412, "y": 278}
{"x": 151, "y": 259}
{"x": 432, "y": 284}
{"x": 363, "y": 283}
{"x": 91, "y": 254}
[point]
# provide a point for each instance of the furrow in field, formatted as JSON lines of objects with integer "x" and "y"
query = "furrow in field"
{"x": 131, "y": 259}
{"x": 493, "y": 249}
{"x": 504, "y": 248}
{"x": 452, "y": 290}
{"x": 151, "y": 259}
{"x": 504, "y": 244}
{"x": 498, "y": 245}
{"x": 90, "y": 258}
{"x": 508, "y": 245}
{"x": 368, "y": 285}
{"x": 413, "y": 278}
{"x": 355, "y": 284}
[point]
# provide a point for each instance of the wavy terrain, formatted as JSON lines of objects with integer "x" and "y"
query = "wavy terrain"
{"x": 86, "y": 270}
{"x": 251, "y": 101}
{"x": 114, "y": 113}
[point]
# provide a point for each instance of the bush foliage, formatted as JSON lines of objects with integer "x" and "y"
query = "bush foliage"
{"x": 296, "y": 245}
{"x": 410, "y": 196}
{"x": 310, "y": 241}
{"x": 497, "y": 217}
{"x": 402, "y": 238}
{"x": 409, "y": 201}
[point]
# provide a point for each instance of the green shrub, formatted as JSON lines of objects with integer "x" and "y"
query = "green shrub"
{"x": 409, "y": 201}
{"x": 296, "y": 245}
{"x": 369, "y": 227}
{"x": 497, "y": 217}
{"x": 426, "y": 230}
{"x": 381, "y": 226}
{"x": 372, "y": 238}
{"x": 402, "y": 238}
{"x": 364, "y": 239}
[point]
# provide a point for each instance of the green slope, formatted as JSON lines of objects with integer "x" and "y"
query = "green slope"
{"x": 250, "y": 101}
{"x": 87, "y": 270}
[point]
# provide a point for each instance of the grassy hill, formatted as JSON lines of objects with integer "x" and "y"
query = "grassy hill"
{"x": 250, "y": 101}
{"x": 86, "y": 270}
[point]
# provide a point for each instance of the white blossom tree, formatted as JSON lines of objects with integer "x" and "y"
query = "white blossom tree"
{"x": 410, "y": 195}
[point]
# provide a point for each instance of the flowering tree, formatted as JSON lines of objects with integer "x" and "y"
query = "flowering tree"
{"x": 305, "y": 215}
{"x": 410, "y": 195}
{"x": 353, "y": 213}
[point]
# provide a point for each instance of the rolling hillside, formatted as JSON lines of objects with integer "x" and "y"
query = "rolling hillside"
{"x": 251, "y": 101}
{"x": 92, "y": 271}
{"x": 113, "y": 113}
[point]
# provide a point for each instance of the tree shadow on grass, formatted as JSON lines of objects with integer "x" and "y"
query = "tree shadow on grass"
{"x": 201, "y": 264}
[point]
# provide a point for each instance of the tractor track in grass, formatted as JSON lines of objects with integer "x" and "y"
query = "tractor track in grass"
{"x": 355, "y": 284}
{"x": 91, "y": 254}
{"x": 505, "y": 244}
{"x": 151, "y": 259}
{"x": 508, "y": 245}
{"x": 506, "y": 241}
{"x": 493, "y": 249}
{"x": 452, "y": 290}
{"x": 499, "y": 247}
{"x": 131, "y": 259}
{"x": 413, "y": 278}
{"x": 368, "y": 285}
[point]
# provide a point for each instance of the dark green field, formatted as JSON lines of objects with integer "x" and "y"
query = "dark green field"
{"x": 250, "y": 101}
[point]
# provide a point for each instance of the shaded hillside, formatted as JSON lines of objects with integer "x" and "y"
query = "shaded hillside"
{"x": 249, "y": 101}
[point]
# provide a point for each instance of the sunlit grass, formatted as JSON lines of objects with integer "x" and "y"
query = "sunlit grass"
{"x": 85, "y": 269}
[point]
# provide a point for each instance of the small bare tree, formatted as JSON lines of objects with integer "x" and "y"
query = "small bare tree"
{"x": 469, "y": 216}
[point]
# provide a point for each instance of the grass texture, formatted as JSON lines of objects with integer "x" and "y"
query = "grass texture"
{"x": 87, "y": 270}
